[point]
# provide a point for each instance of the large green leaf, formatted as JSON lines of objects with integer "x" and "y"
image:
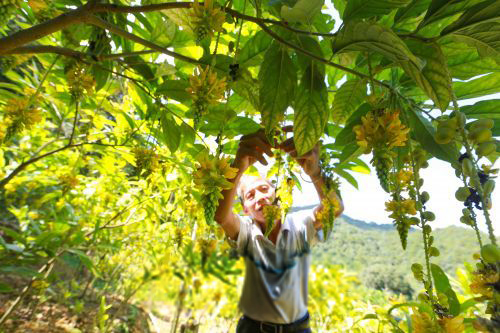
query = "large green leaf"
{"x": 442, "y": 285}
{"x": 347, "y": 98}
{"x": 464, "y": 62}
{"x": 373, "y": 37}
{"x": 413, "y": 9}
{"x": 303, "y": 11}
{"x": 250, "y": 54}
{"x": 483, "y": 109}
{"x": 485, "y": 85}
{"x": 310, "y": 110}
{"x": 175, "y": 89}
{"x": 350, "y": 152}
{"x": 171, "y": 132}
{"x": 484, "y": 11}
{"x": 357, "y": 9}
{"x": 277, "y": 79}
{"x": 485, "y": 37}
{"x": 440, "y": 9}
{"x": 434, "y": 78}
{"x": 312, "y": 45}
{"x": 423, "y": 131}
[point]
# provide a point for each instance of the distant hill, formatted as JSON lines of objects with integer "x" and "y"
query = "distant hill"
{"x": 375, "y": 253}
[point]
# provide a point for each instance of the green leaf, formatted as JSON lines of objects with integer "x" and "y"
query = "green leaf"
{"x": 278, "y": 79}
{"x": 5, "y": 288}
{"x": 414, "y": 9}
{"x": 350, "y": 152}
{"x": 434, "y": 77}
{"x": 484, "y": 37}
{"x": 485, "y": 85}
{"x": 442, "y": 285}
{"x": 357, "y": 9}
{"x": 310, "y": 110}
{"x": 250, "y": 53}
{"x": 346, "y": 135}
{"x": 312, "y": 45}
{"x": 483, "y": 109}
{"x": 22, "y": 271}
{"x": 464, "y": 62}
{"x": 373, "y": 37}
{"x": 171, "y": 132}
{"x": 175, "y": 89}
{"x": 439, "y": 9}
{"x": 481, "y": 12}
{"x": 347, "y": 176}
{"x": 347, "y": 98}
{"x": 303, "y": 11}
{"x": 86, "y": 260}
{"x": 423, "y": 131}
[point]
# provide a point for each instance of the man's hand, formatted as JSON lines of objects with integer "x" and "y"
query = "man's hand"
{"x": 309, "y": 161}
{"x": 252, "y": 148}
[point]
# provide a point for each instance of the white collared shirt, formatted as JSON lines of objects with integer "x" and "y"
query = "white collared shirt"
{"x": 275, "y": 287}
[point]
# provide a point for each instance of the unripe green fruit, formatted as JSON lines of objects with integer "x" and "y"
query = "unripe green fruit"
{"x": 425, "y": 165}
{"x": 429, "y": 216}
{"x": 461, "y": 119}
{"x": 462, "y": 193}
{"x": 490, "y": 253}
{"x": 418, "y": 205}
{"x": 467, "y": 167}
{"x": 466, "y": 212}
{"x": 414, "y": 220}
{"x": 424, "y": 197}
{"x": 427, "y": 229}
{"x": 444, "y": 135}
{"x": 482, "y": 123}
{"x": 434, "y": 252}
{"x": 488, "y": 187}
{"x": 417, "y": 267}
{"x": 480, "y": 135}
{"x": 466, "y": 220}
{"x": 431, "y": 240}
{"x": 486, "y": 148}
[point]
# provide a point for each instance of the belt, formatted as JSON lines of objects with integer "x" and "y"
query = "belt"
{"x": 265, "y": 327}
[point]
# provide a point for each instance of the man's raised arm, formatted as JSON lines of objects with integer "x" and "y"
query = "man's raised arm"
{"x": 251, "y": 148}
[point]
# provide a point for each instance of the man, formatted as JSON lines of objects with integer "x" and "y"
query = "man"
{"x": 274, "y": 295}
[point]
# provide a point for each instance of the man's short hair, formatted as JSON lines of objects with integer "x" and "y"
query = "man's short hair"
{"x": 246, "y": 180}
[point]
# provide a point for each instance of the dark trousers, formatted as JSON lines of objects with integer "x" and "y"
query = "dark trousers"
{"x": 248, "y": 325}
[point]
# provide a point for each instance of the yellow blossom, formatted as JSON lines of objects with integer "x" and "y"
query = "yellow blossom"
{"x": 423, "y": 323}
{"x": 399, "y": 208}
{"x": 452, "y": 325}
{"x": 482, "y": 283}
{"x": 381, "y": 129}
{"x": 404, "y": 178}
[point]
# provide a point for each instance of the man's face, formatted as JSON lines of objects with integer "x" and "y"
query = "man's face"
{"x": 256, "y": 195}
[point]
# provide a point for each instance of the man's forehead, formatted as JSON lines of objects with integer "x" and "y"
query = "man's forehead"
{"x": 254, "y": 183}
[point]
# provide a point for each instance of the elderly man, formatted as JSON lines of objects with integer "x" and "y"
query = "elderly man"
{"x": 274, "y": 295}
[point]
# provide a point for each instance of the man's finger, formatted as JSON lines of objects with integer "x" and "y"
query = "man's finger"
{"x": 257, "y": 144}
{"x": 287, "y": 145}
{"x": 246, "y": 151}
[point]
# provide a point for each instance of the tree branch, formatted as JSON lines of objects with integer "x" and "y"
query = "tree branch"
{"x": 125, "y": 34}
{"x": 35, "y": 49}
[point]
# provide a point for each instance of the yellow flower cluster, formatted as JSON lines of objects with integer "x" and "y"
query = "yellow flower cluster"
{"x": 80, "y": 81}
{"x": 381, "y": 129}
{"x": 18, "y": 116}
{"x": 214, "y": 172}
{"x": 452, "y": 325}
{"x": 206, "y": 89}
{"x": 285, "y": 194}
{"x": 423, "y": 323}
{"x": 272, "y": 213}
{"x": 146, "y": 160}
{"x": 404, "y": 178}
{"x": 400, "y": 208}
{"x": 68, "y": 180}
{"x": 482, "y": 283}
{"x": 206, "y": 19}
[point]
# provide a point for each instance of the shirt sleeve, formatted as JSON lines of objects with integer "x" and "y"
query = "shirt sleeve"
{"x": 244, "y": 235}
{"x": 313, "y": 236}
